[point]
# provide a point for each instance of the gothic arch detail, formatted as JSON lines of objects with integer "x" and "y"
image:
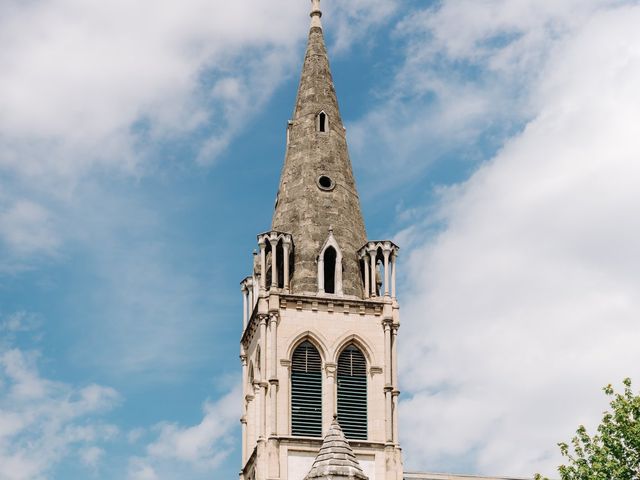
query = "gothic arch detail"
{"x": 322, "y": 122}
{"x": 353, "y": 339}
{"x": 319, "y": 342}
{"x": 330, "y": 267}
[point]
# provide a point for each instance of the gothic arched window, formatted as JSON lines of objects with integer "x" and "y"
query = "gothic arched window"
{"x": 330, "y": 257}
{"x": 330, "y": 267}
{"x": 352, "y": 393}
{"x": 322, "y": 122}
{"x": 306, "y": 391}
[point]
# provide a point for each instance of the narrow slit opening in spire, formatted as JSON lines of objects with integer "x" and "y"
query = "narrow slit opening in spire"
{"x": 330, "y": 257}
{"x": 322, "y": 122}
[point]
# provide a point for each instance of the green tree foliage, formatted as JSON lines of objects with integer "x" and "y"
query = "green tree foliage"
{"x": 614, "y": 452}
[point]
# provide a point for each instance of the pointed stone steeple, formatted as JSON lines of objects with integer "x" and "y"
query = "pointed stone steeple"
{"x": 336, "y": 459}
{"x": 317, "y": 190}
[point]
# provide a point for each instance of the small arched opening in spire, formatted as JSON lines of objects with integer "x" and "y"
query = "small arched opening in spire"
{"x": 322, "y": 122}
{"x": 330, "y": 267}
{"x": 330, "y": 270}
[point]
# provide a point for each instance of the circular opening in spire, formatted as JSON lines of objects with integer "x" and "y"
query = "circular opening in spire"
{"x": 325, "y": 183}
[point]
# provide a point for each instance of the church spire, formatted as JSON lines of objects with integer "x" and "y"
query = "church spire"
{"x": 317, "y": 197}
{"x": 316, "y": 13}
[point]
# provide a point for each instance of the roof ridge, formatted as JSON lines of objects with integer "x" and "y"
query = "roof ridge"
{"x": 336, "y": 457}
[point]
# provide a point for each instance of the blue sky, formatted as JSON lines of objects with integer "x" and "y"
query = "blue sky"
{"x": 140, "y": 151}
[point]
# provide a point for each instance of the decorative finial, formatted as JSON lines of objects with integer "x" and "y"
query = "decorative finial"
{"x": 316, "y": 13}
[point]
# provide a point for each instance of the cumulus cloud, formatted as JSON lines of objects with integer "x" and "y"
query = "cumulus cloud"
{"x": 93, "y": 92}
{"x": 84, "y": 82}
{"x": 526, "y": 303}
{"x": 464, "y": 85}
{"x": 89, "y": 83}
{"x": 43, "y": 421}
{"x": 192, "y": 451}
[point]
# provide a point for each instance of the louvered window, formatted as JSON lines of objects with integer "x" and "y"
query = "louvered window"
{"x": 306, "y": 391}
{"x": 352, "y": 393}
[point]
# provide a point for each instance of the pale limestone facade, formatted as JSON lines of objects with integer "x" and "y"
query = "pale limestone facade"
{"x": 316, "y": 278}
{"x": 281, "y": 321}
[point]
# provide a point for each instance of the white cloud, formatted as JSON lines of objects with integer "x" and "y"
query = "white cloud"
{"x": 138, "y": 470}
{"x": 464, "y": 84}
{"x": 91, "y": 456}
{"x": 27, "y": 228}
{"x": 42, "y": 421}
{"x": 17, "y": 322}
{"x": 86, "y": 82}
{"x": 527, "y": 302}
{"x": 80, "y": 75}
{"x": 353, "y": 20}
{"x": 194, "y": 450}
{"x": 99, "y": 89}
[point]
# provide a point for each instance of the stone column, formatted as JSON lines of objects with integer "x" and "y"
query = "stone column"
{"x": 388, "y": 387}
{"x": 252, "y": 428}
{"x": 273, "y": 375}
{"x": 321, "y": 274}
{"x": 393, "y": 275}
{"x": 273, "y": 402}
{"x": 263, "y": 264}
{"x": 243, "y": 419}
{"x": 388, "y": 415}
{"x": 337, "y": 279}
{"x": 367, "y": 290}
{"x": 263, "y": 372}
{"x": 372, "y": 255}
{"x": 243, "y": 288}
{"x": 286, "y": 394}
{"x": 258, "y": 417}
{"x": 274, "y": 261}
{"x": 330, "y": 396}
{"x": 386, "y": 252}
{"x": 396, "y": 438}
{"x": 394, "y": 381}
{"x": 250, "y": 296}
{"x": 286, "y": 244}
{"x": 387, "y": 353}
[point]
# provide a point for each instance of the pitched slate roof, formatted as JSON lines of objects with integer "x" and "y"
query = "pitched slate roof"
{"x": 336, "y": 458}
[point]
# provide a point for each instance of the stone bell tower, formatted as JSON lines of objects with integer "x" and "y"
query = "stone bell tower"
{"x": 320, "y": 316}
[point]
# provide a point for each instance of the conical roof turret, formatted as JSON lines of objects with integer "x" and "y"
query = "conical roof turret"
{"x": 317, "y": 191}
{"x": 336, "y": 458}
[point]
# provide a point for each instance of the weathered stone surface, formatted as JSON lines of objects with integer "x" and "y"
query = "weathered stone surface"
{"x": 303, "y": 208}
{"x": 336, "y": 459}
